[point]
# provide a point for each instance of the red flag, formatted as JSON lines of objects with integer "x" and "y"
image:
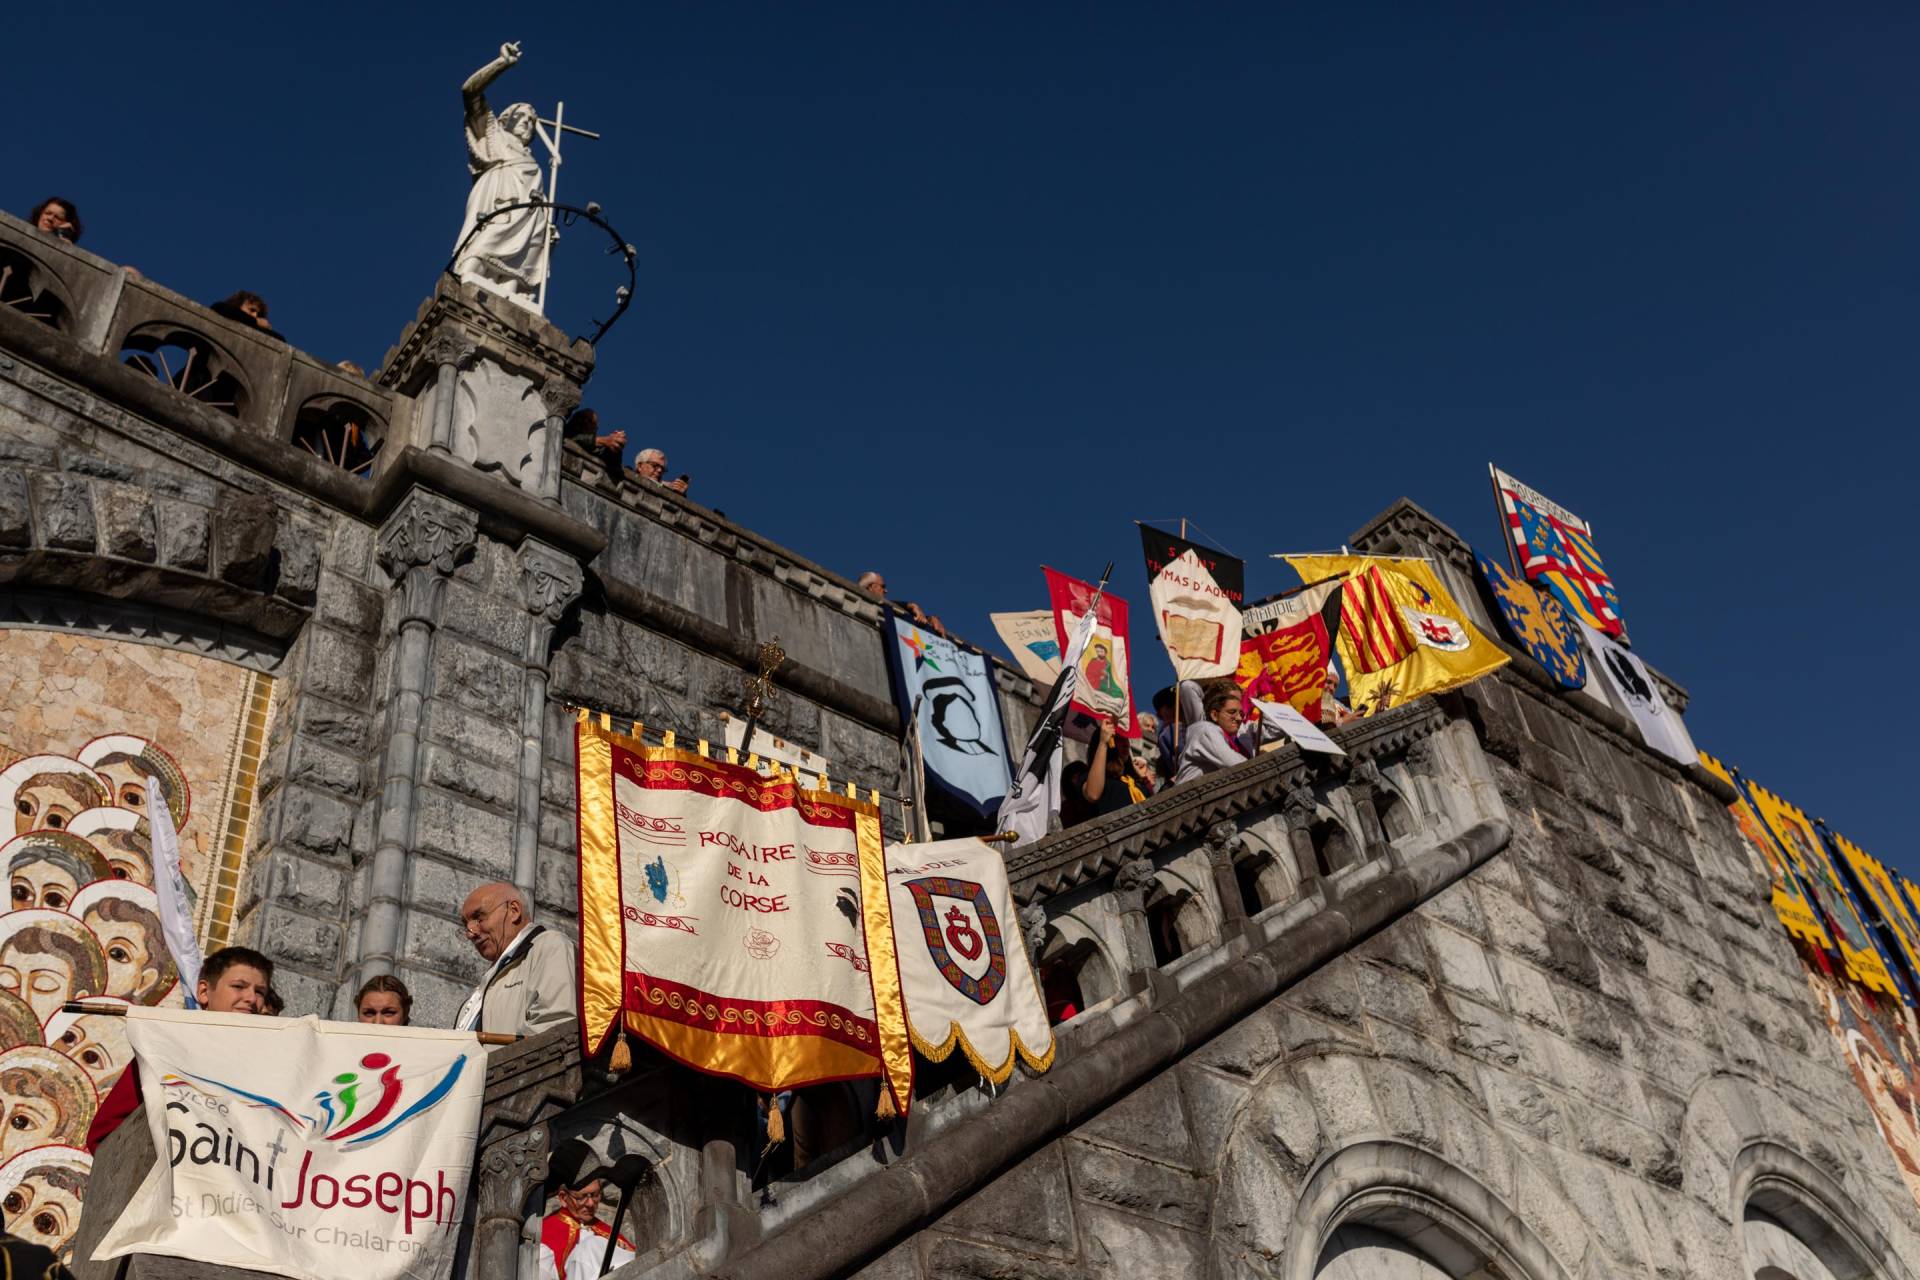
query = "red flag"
{"x": 1104, "y": 687}
{"x": 1289, "y": 663}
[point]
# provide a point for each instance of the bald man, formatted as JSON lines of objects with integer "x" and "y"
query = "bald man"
{"x": 531, "y": 984}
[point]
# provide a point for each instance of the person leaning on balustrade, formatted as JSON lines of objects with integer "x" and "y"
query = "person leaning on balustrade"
{"x": 651, "y": 464}
{"x": 232, "y": 980}
{"x": 245, "y": 307}
{"x": 532, "y": 984}
{"x": 385, "y": 1000}
{"x": 876, "y": 586}
{"x": 583, "y": 427}
{"x": 57, "y": 216}
{"x": 1103, "y": 783}
{"x": 1213, "y": 735}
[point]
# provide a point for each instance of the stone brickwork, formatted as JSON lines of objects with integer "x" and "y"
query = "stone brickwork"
{"x": 428, "y": 625}
{"x": 1495, "y": 995}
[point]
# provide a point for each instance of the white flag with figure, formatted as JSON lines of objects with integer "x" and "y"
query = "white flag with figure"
{"x": 1198, "y": 622}
{"x": 302, "y": 1148}
{"x": 964, "y": 970}
{"x": 1634, "y": 687}
{"x": 1035, "y": 795}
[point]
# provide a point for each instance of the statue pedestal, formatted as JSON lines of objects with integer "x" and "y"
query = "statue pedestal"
{"x": 495, "y": 382}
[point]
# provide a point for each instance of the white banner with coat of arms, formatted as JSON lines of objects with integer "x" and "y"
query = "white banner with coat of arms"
{"x": 302, "y": 1148}
{"x": 964, "y": 970}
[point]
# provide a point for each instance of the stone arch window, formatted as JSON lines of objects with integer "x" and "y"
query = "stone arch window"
{"x": 1386, "y": 1210}
{"x": 1358, "y": 1251}
{"x": 1776, "y": 1253}
{"x": 28, "y": 287}
{"x": 1177, "y": 923}
{"x": 1397, "y": 817}
{"x": 1333, "y": 848}
{"x": 1073, "y": 976}
{"x": 649, "y": 1219}
{"x": 340, "y": 432}
{"x": 190, "y": 363}
{"x": 1797, "y": 1223}
{"x": 1263, "y": 880}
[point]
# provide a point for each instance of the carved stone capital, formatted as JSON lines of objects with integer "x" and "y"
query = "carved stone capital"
{"x": 1134, "y": 875}
{"x": 1366, "y": 773}
{"x": 1299, "y": 807}
{"x": 1033, "y": 929}
{"x": 550, "y": 580}
{"x": 560, "y": 397}
{"x": 509, "y": 1171}
{"x": 1224, "y": 839}
{"x": 426, "y": 531}
{"x": 450, "y": 347}
{"x": 1423, "y": 757}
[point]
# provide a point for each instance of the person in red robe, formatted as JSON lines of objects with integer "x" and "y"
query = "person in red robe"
{"x": 573, "y": 1242}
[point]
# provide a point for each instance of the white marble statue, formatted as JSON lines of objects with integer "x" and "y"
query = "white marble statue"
{"x": 509, "y": 255}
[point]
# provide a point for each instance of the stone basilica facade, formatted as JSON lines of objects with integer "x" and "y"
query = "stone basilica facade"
{"x": 1499, "y": 996}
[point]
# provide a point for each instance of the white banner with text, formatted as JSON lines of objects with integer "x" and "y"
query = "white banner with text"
{"x": 302, "y": 1148}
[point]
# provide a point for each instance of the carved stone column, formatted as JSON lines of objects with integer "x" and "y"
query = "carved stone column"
{"x": 1224, "y": 845}
{"x": 510, "y": 1170}
{"x": 449, "y": 352}
{"x": 1033, "y": 931}
{"x": 1364, "y": 787}
{"x": 561, "y": 398}
{"x": 421, "y": 543}
{"x": 550, "y": 582}
{"x": 1423, "y": 765}
{"x": 1130, "y": 885}
{"x": 1298, "y": 809}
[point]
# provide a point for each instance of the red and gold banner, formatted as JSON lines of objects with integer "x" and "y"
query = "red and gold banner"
{"x": 736, "y": 921}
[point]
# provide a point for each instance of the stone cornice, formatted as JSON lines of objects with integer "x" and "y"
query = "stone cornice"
{"x": 505, "y": 330}
{"x": 737, "y": 542}
{"x": 1094, "y": 849}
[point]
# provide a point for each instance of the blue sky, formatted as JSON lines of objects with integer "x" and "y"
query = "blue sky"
{"x": 950, "y": 291}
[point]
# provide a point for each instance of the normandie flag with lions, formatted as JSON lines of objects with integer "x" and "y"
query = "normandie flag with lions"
{"x": 1401, "y": 633}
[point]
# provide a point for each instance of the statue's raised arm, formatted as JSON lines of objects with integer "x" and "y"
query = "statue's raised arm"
{"x": 473, "y": 92}
{"x": 503, "y": 243}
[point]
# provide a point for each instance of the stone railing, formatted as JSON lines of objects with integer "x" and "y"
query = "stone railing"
{"x": 151, "y": 349}
{"x": 1188, "y": 909}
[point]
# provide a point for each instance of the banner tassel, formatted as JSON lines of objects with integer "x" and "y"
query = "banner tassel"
{"x": 620, "y": 1061}
{"x": 886, "y": 1110}
{"x": 776, "y": 1122}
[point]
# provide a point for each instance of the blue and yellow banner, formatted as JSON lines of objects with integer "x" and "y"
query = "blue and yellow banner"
{"x": 1796, "y": 836}
{"x": 1789, "y": 901}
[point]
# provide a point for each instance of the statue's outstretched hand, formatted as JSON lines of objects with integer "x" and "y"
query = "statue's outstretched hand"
{"x": 510, "y": 52}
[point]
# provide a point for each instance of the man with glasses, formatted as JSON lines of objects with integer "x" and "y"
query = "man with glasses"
{"x": 531, "y": 984}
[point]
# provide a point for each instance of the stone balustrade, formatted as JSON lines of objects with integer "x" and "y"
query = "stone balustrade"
{"x": 1142, "y": 911}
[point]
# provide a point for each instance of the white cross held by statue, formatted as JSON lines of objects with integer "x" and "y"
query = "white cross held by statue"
{"x": 552, "y": 141}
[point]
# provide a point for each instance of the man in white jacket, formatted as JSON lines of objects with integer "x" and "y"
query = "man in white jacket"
{"x": 531, "y": 985}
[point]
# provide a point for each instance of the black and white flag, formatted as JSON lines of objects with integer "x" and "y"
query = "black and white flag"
{"x": 1034, "y": 798}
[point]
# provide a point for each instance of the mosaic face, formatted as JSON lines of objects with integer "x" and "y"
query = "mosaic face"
{"x": 98, "y": 1044}
{"x": 44, "y": 1207}
{"x": 45, "y": 1100}
{"x": 50, "y": 800}
{"x": 48, "y": 958}
{"x": 88, "y": 727}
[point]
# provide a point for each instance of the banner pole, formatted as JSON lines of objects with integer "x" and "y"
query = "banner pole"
{"x": 922, "y": 825}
